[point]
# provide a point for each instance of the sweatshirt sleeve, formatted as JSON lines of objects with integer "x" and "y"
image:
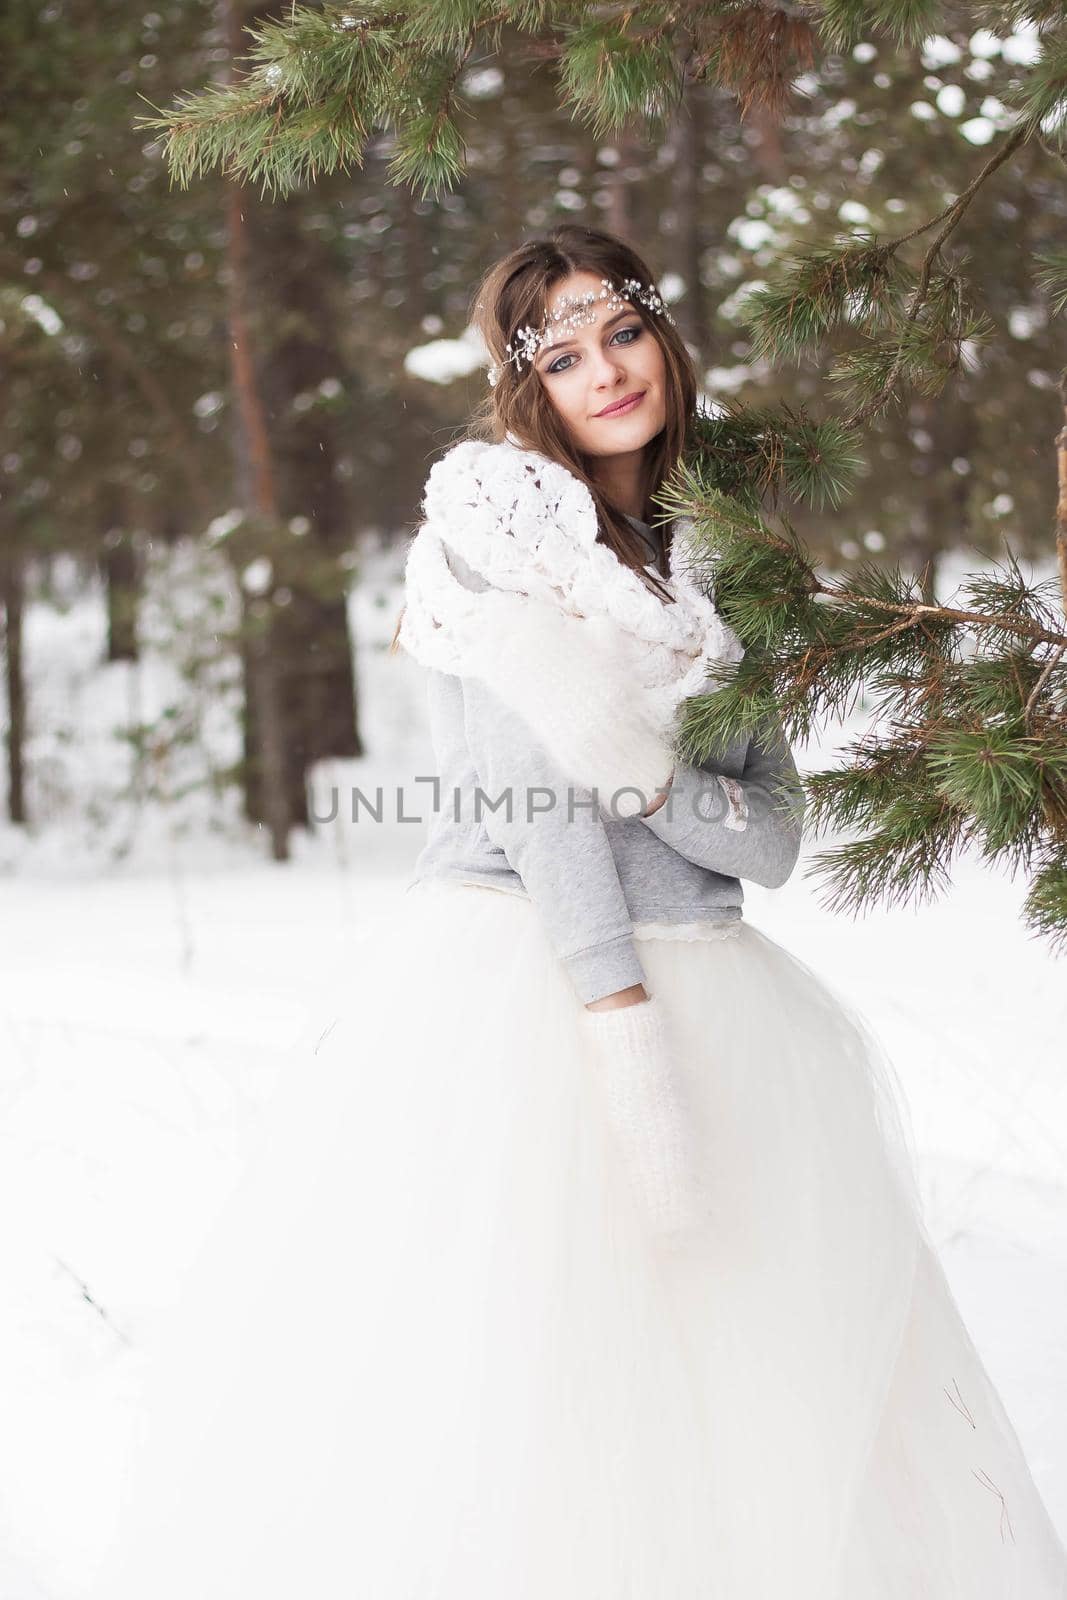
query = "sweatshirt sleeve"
{"x": 554, "y": 837}
{"x": 746, "y": 827}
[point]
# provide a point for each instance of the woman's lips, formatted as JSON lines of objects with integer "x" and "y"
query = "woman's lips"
{"x": 624, "y": 409}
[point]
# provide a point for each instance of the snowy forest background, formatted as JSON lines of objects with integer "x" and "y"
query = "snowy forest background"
{"x": 163, "y": 960}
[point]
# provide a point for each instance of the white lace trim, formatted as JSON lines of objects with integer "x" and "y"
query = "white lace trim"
{"x": 687, "y": 931}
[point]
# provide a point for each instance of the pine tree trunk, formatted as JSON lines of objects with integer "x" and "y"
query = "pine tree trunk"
{"x": 16, "y": 688}
{"x": 1061, "y": 497}
{"x": 251, "y": 765}
{"x": 120, "y": 567}
{"x": 261, "y": 682}
{"x": 618, "y": 213}
{"x": 770, "y": 157}
{"x": 417, "y": 259}
{"x": 689, "y": 197}
{"x": 313, "y": 649}
{"x": 294, "y": 290}
{"x": 939, "y": 518}
{"x": 920, "y": 548}
{"x": 317, "y": 690}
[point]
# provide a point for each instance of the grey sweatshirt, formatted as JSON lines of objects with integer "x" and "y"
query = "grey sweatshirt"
{"x": 592, "y": 875}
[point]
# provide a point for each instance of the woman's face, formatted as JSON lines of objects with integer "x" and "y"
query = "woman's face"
{"x": 597, "y": 364}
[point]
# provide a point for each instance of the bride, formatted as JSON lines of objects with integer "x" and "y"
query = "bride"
{"x": 583, "y": 1258}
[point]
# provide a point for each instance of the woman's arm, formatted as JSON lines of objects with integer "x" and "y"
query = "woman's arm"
{"x": 621, "y": 998}
{"x": 746, "y": 827}
{"x": 553, "y": 836}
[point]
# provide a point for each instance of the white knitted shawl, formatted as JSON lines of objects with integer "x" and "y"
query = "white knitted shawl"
{"x": 527, "y": 527}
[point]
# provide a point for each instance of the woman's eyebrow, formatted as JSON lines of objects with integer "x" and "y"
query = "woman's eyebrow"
{"x": 563, "y": 344}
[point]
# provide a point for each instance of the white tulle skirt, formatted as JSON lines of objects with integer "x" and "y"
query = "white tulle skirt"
{"x": 432, "y": 1353}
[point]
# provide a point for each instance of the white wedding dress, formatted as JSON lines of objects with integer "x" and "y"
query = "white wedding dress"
{"x": 432, "y": 1353}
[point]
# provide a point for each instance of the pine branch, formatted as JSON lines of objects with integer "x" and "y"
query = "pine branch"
{"x": 844, "y": 22}
{"x": 723, "y": 523}
{"x": 1045, "y": 907}
{"x": 953, "y": 216}
{"x": 859, "y": 282}
{"x": 1052, "y": 279}
{"x": 856, "y": 794}
{"x": 1042, "y": 96}
{"x": 975, "y": 695}
{"x": 758, "y": 52}
{"x": 924, "y": 352}
{"x": 905, "y": 862}
{"x": 606, "y": 72}
{"x": 324, "y": 81}
{"x": 1002, "y": 15}
{"x": 1053, "y": 661}
{"x": 998, "y": 778}
{"x": 321, "y": 83}
{"x": 850, "y": 282}
{"x": 749, "y": 453}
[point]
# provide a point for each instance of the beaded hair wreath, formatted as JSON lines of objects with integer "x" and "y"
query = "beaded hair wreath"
{"x": 528, "y": 340}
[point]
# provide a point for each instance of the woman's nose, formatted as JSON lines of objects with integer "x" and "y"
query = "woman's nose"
{"x": 606, "y": 368}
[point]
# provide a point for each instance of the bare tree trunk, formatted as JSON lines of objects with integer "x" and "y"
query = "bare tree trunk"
{"x": 416, "y": 261}
{"x": 689, "y": 191}
{"x": 940, "y": 517}
{"x": 313, "y": 649}
{"x": 251, "y": 766}
{"x": 121, "y": 569}
{"x": 262, "y": 681}
{"x": 1061, "y": 498}
{"x": 920, "y": 548}
{"x": 12, "y": 579}
{"x": 770, "y": 157}
{"x": 618, "y": 213}
{"x": 293, "y": 295}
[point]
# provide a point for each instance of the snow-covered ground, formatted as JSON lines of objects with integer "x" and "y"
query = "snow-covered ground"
{"x": 150, "y": 1003}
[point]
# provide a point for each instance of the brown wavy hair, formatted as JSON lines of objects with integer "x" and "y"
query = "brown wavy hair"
{"x": 515, "y": 291}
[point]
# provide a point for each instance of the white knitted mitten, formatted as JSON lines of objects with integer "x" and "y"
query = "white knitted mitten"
{"x": 637, "y": 1077}
{"x": 575, "y": 681}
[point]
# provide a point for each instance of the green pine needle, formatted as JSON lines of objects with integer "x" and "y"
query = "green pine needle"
{"x": 993, "y": 690}
{"x": 1004, "y": 591}
{"x": 993, "y": 775}
{"x": 907, "y": 21}
{"x": 857, "y": 794}
{"x": 844, "y": 22}
{"x": 737, "y": 704}
{"x": 1041, "y": 95}
{"x": 429, "y": 152}
{"x": 756, "y": 452}
{"x": 821, "y": 461}
{"x": 907, "y": 861}
{"x": 854, "y": 282}
{"x": 444, "y": 25}
{"x": 929, "y": 349}
{"x": 1052, "y": 279}
{"x": 1045, "y": 907}
{"x": 611, "y": 75}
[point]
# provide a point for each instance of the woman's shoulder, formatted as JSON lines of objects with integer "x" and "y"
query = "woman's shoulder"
{"x": 480, "y": 489}
{"x": 485, "y": 467}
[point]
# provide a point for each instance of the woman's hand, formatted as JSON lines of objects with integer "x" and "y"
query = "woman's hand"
{"x": 664, "y": 792}
{"x": 642, "y": 1084}
{"x": 622, "y": 997}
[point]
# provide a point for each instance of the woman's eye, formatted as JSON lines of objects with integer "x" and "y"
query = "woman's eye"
{"x": 633, "y": 327}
